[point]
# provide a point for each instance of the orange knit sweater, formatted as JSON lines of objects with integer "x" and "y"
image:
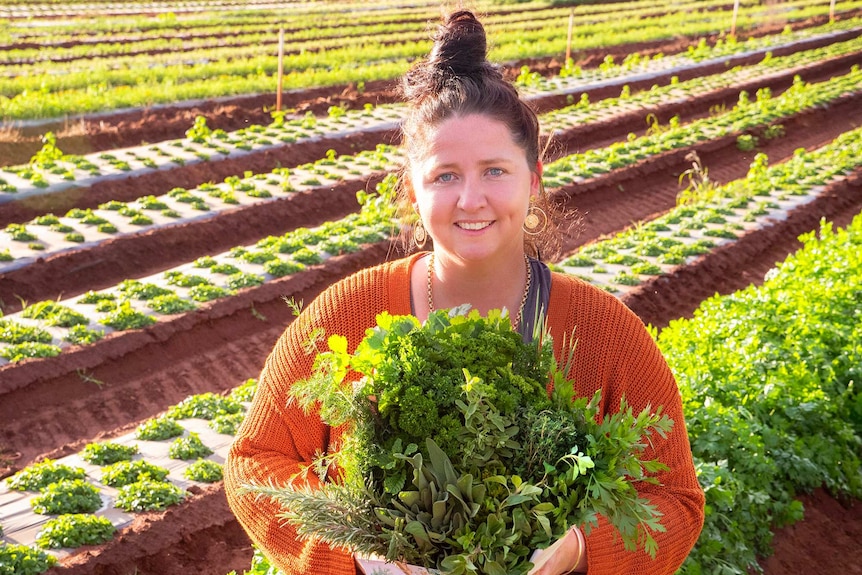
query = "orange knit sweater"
{"x": 614, "y": 353}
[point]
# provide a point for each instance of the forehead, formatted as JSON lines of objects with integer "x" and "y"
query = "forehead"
{"x": 467, "y": 137}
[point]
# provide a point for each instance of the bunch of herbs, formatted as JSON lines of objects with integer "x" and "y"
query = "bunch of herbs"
{"x": 457, "y": 457}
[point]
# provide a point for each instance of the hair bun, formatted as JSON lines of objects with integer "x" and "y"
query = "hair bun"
{"x": 460, "y": 45}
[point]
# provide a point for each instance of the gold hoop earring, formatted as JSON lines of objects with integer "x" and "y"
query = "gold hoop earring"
{"x": 420, "y": 236}
{"x": 536, "y": 220}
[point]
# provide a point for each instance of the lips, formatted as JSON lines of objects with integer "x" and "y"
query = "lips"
{"x": 473, "y": 226}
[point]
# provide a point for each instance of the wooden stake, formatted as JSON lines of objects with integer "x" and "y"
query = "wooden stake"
{"x": 569, "y": 39}
{"x": 831, "y": 11}
{"x": 733, "y": 22}
{"x": 280, "y": 68}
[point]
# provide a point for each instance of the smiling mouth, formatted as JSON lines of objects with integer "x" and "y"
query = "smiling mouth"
{"x": 473, "y": 226}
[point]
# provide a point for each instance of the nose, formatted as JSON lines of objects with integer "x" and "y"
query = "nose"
{"x": 472, "y": 195}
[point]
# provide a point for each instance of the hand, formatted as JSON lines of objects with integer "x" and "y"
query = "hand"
{"x": 566, "y": 555}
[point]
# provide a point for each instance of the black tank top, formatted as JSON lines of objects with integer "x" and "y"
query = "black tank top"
{"x": 537, "y": 298}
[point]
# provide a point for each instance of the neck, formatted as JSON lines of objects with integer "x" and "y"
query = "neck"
{"x": 491, "y": 286}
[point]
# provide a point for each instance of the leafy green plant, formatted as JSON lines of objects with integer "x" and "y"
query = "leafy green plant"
{"x": 93, "y": 297}
{"x": 159, "y": 428}
{"x": 204, "y": 405}
{"x": 245, "y": 392}
{"x": 82, "y": 335}
{"x": 204, "y": 293}
{"x": 125, "y": 317}
{"x": 188, "y": 447}
{"x": 171, "y": 304}
{"x": 227, "y": 423}
{"x": 54, "y": 313}
{"x": 280, "y": 268}
{"x": 240, "y": 280}
{"x": 74, "y": 530}
{"x": 14, "y": 332}
{"x": 148, "y": 495}
{"x": 746, "y": 142}
{"x": 773, "y": 131}
{"x": 107, "y": 453}
{"x": 185, "y": 280}
{"x": 29, "y": 349}
{"x": 37, "y": 476}
{"x": 767, "y": 377}
{"x": 125, "y": 472}
{"x": 199, "y": 132}
{"x": 140, "y": 290}
{"x": 24, "y": 560}
{"x": 67, "y": 496}
{"x": 204, "y": 470}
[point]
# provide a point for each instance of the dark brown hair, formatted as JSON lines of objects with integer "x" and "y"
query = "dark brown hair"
{"x": 456, "y": 79}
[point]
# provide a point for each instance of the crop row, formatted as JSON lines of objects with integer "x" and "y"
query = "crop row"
{"x": 88, "y": 497}
{"x": 645, "y": 101}
{"x": 43, "y": 327}
{"x": 636, "y": 66}
{"x": 50, "y": 170}
{"x": 769, "y": 380}
{"x": 303, "y": 34}
{"x": 40, "y": 329}
{"x": 746, "y": 115}
{"x": 49, "y": 234}
{"x": 43, "y": 95}
{"x": 304, "y": 22}
{"x": 78, "y": 229}
{"x": 713, "y": 215}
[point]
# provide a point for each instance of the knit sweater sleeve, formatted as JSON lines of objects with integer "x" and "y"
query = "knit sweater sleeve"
{"x": 614, "y": 353}
{"x": 277, "y": 442}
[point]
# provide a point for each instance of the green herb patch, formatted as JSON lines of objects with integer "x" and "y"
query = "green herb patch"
{"x": 107, "y": 453}
{"x": 67, "y": 496}
{"x": 125, "y": 472}
{"x": 29, "y": 349}
{"x": 148, "y": 495}
{"x": 205, "y": 471}
{"x": 170, "y": 304}
{"x": 24, "y": 560}
{"x": 227, "y": 423}
{"x": 74, "y": 530}
{"x": 204, "y": 406}
{"x": 158, "y": 429}
{"x": 188, "y": 447}
{"x": 768, "y": 378}
{"x": 37, "y": 476}
{"x": 125, "y": 317}
{"x": 14, "y": 332}
{"x": 53, "y": 313}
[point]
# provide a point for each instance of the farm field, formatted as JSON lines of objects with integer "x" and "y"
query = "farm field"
{"x": 633, "y": 122}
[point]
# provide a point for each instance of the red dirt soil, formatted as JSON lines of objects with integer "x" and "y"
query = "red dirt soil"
{"x": 53, "y": 408}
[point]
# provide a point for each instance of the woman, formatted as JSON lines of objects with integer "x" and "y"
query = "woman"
{"x": 473, "y": 177}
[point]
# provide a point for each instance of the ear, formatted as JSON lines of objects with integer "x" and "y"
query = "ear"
{"x": 536, "y": 179}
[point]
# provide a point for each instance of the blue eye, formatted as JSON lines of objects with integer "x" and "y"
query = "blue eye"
{"x": 495, "y": 171}
{"x": 445, "y": 178}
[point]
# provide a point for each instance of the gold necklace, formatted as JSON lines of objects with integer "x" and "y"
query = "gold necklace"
{"x": 523, "y": 298}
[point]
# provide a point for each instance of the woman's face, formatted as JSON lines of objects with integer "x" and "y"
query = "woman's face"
{"x": 472, "y": 187}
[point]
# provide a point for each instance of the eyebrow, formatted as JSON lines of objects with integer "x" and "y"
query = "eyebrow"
{"x": 488, "y": 162}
